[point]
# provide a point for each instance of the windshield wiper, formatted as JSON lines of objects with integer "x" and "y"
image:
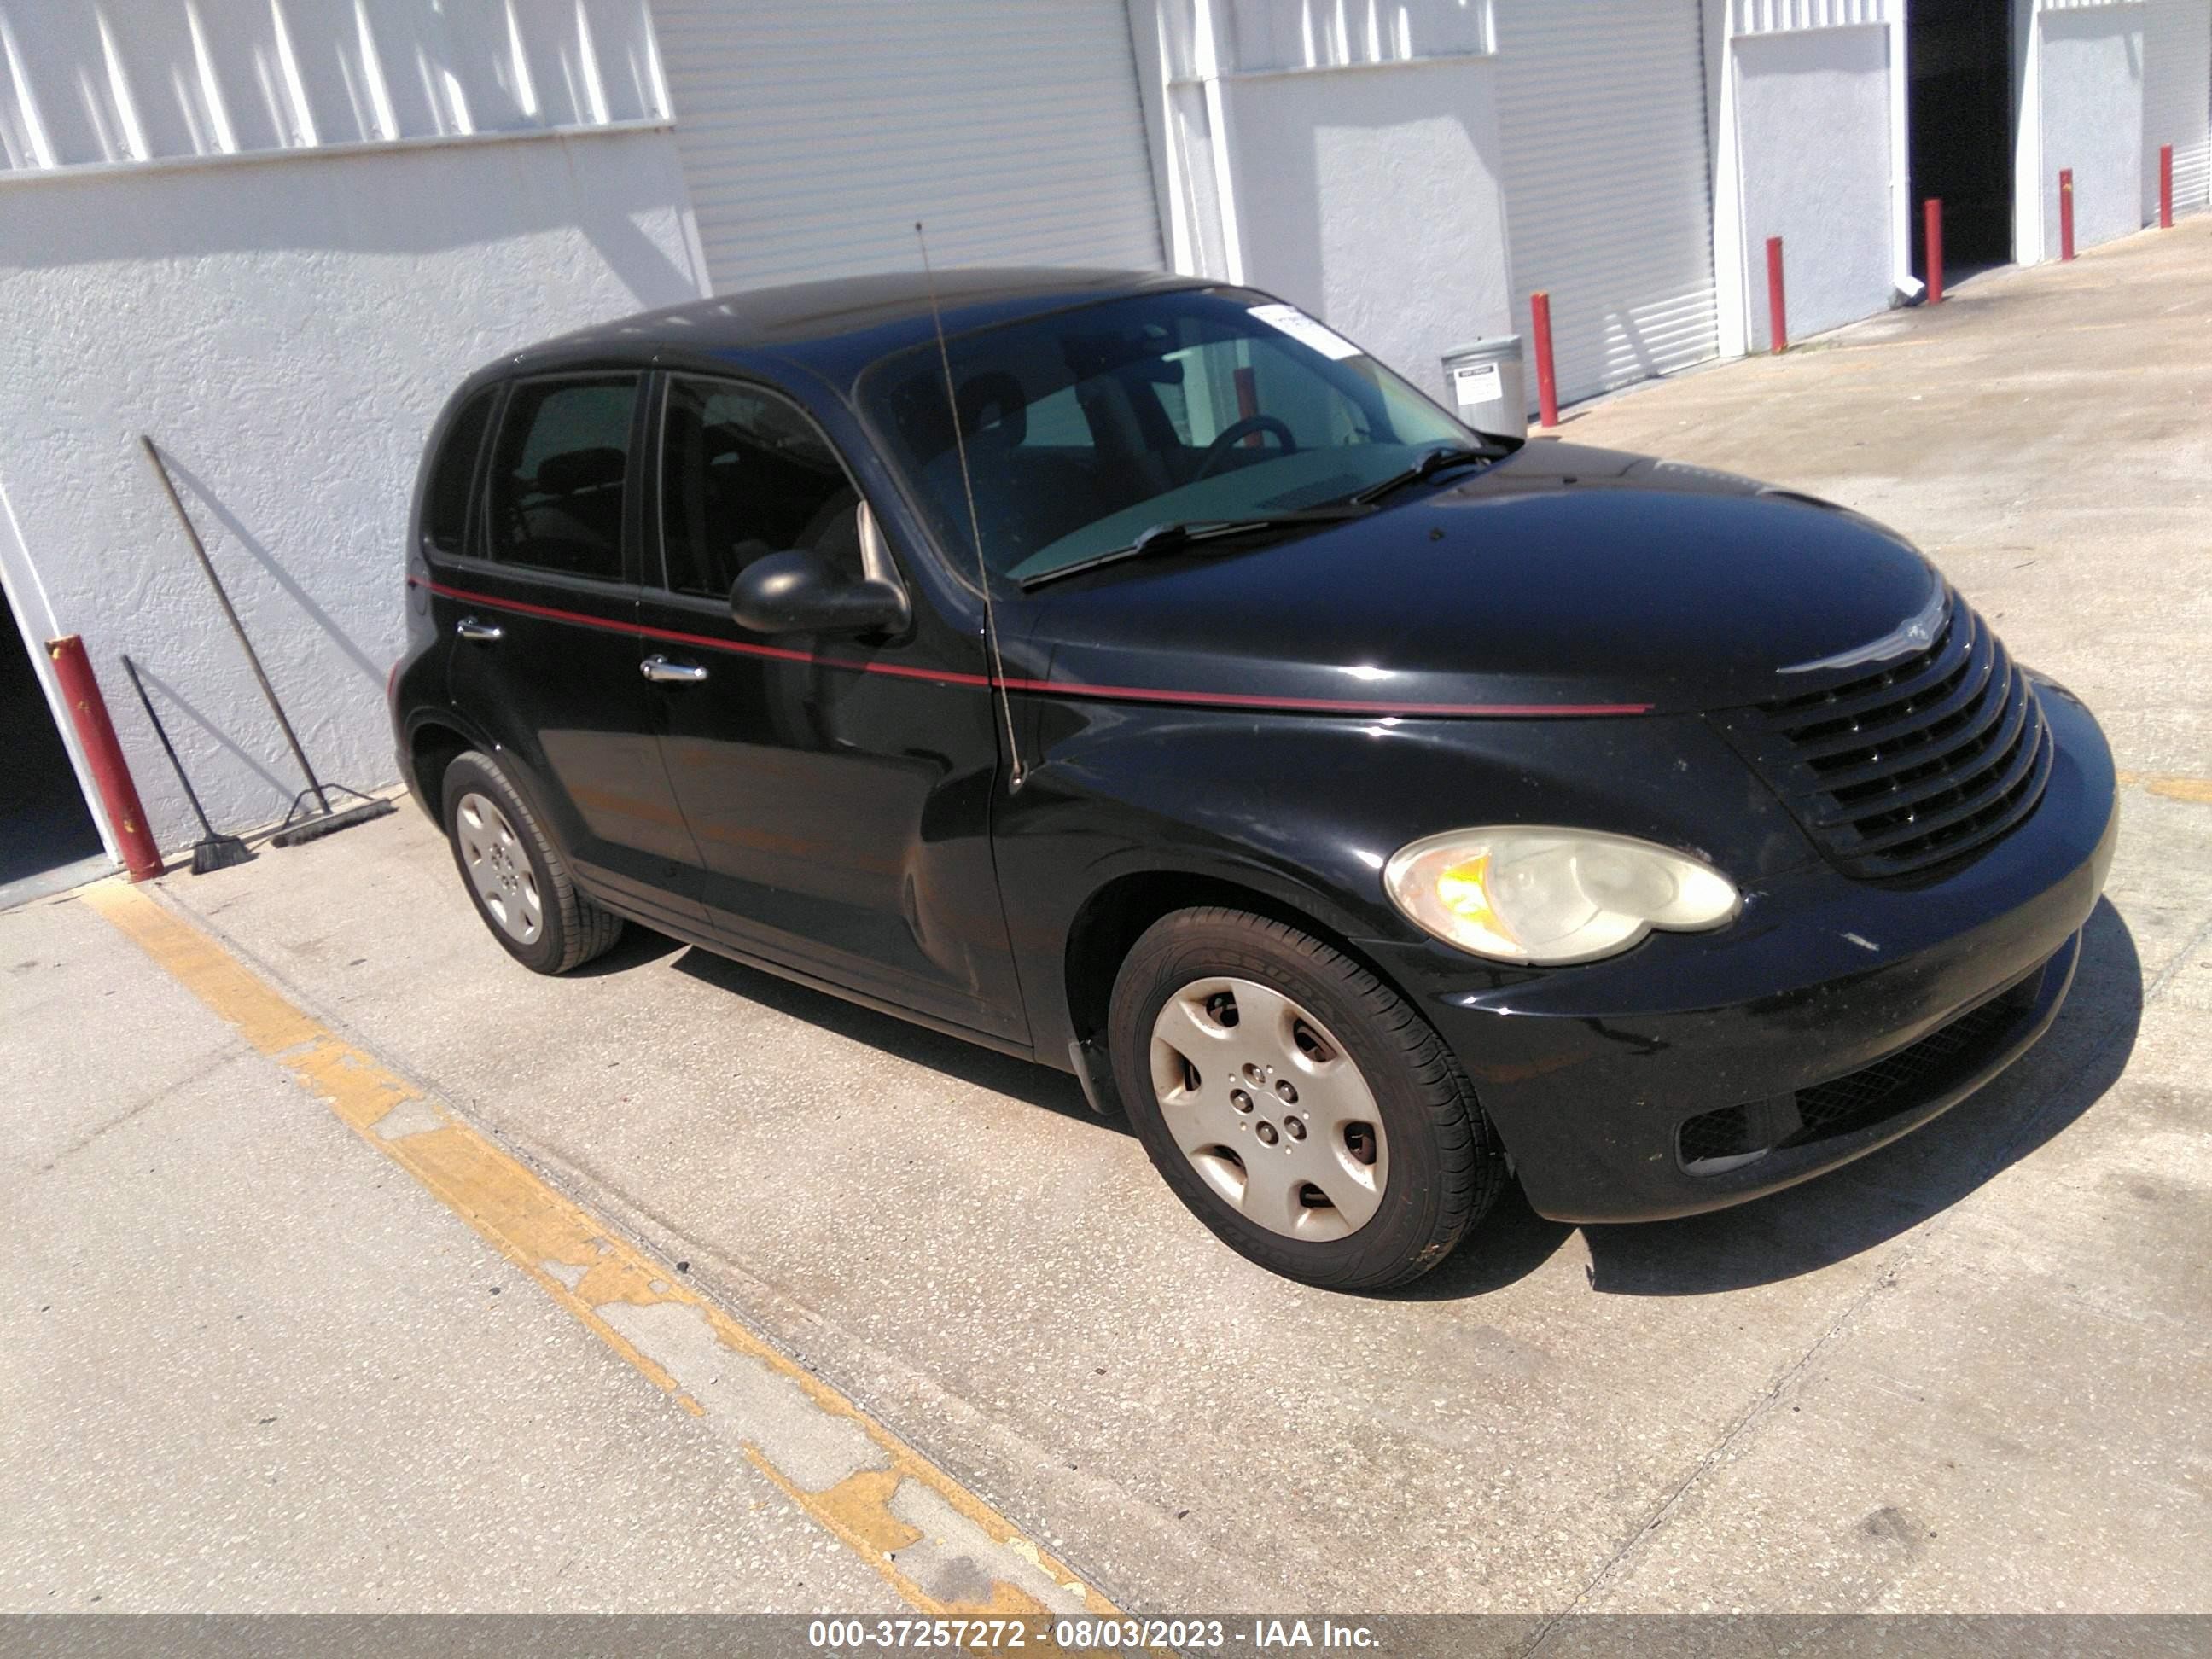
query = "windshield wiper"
{"x": 1166, "y": 538}
{"x": 1427, "y": 467}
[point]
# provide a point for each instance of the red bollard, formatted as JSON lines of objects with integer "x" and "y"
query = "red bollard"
{"x": 1933, "y": 211}
{"x": 2166, "y": 187}
{"x": 1248, "y": 402}
{"x": 1547, "y": 378}
{"x": 110, "y": 774}
{"x": 1777, "y": 309}
{"x": 2066, "y": 213}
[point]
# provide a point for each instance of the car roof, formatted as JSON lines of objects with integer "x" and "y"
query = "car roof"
{"x": 840, "y": 326}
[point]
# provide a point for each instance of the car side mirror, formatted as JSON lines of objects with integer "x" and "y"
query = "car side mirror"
{"x": 797, "y": 593}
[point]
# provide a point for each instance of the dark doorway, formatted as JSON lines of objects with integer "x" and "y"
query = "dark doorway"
{"x": 1959, "y": 52}
{"x": 43, "y": 822}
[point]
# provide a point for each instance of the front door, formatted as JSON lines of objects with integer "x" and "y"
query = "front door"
{"x": 839, "y": 794}
{"x": 543, "y": 601}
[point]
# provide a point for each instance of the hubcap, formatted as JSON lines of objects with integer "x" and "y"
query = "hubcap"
{"x": 498, "y": 868}
{"x": 1269, "y": 1109}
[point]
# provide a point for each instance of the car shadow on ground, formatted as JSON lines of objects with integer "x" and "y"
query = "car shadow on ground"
{"x": 636, "y": 947}
{"x": 1827, "y": 1220}
{"x": 954, "y": 1057}
{"x": 1833, "y": 1218}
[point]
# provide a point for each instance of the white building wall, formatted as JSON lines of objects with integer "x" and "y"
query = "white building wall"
{"x": 1366, "y": 198}
{"x": 1604, "y": 112}
{"x": 1784, "y": 16}
{"x": 2177, "y": 99}
{"x": 89, "y": 81}
{"x": 1816, "y": 168}
{"x": 1808, "y": 131}
{"x": 816, "y": 132}
{"x": 286, "y": 326}
{"x": 1346, "y": 159}
{"x": 2089, "y": 94}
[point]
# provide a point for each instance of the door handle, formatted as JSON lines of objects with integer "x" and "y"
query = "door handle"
{"x": 482, "y": 633}
{"x": 672, "y": 673}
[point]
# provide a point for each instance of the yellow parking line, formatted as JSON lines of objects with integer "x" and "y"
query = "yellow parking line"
{"x": 2173, "y": 788}
{"x": 942, "y": 1547}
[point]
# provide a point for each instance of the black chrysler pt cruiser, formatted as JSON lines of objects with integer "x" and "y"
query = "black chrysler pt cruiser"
{"x": 1129, "y": 673}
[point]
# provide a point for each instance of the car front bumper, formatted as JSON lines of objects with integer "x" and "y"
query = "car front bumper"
{"x": 1837, "y": 1014}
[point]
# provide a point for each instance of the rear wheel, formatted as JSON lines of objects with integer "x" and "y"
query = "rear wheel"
{"x": 517, "y": 878}
{"x": 1296, "y": 1104}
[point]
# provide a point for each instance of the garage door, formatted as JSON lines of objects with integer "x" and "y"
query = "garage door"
{"x": 815, "y": 132}
{"x": 1608, "y": 195}
{"x": 2177, "y": 89}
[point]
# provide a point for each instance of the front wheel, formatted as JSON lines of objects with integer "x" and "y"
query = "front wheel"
{"x": 1300, "y": 1108}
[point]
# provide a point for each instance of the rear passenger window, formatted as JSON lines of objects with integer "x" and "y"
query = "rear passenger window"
{"x": 446, "y": 501}
{"x": 557, "y": 475}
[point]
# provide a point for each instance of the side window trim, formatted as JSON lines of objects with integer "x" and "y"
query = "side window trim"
{"x": 640, "y": 477}
{"x": 654, "y": 572}
{"x": 479, "y": 554}
{"x": 476, "y": 533}
{"x": 471, "y": 498}
{"x": 652, "y": 549}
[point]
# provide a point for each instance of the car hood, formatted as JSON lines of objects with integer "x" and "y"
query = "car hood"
{"x": 1561, "y": 579}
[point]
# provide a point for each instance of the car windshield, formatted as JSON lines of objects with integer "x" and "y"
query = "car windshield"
{"x": 1086, "y": 429}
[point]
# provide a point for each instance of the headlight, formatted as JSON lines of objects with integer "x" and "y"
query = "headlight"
{"x": 1535, "y": 895}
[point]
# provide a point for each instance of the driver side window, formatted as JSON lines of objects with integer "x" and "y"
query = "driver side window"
{"x": 744, "y": 474}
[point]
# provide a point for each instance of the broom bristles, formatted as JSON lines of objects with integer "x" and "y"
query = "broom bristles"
{"x": 219, "y": 853}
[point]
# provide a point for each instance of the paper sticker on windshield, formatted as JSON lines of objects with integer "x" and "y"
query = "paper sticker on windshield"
{"x": 1306, "y": 331}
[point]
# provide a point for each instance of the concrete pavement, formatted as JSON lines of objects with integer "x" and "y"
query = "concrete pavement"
{"x": 1966, "y": 1374}
{"x": 249, "y": 1368}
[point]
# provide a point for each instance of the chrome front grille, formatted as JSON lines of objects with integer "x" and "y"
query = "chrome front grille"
{"x": 1926, "y": 761}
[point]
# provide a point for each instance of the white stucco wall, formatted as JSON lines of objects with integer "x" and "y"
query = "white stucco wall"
{"x": 2090, "y": 90}
{"x": 1370, "y": 196}
{"x": 286, "y": 328}
{"x": 1814, "y": 154}
{"x": 1347, "y": 158}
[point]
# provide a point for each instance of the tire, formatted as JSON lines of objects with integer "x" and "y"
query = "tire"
{"x": 1331, "y": 1202}
{"x": 514, "y": 875}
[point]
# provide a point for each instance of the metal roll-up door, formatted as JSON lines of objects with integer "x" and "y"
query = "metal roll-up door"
{"x": 1608, "y": 190}
{"x": 814, "y": 133}
{"x": 2177, "y": 91}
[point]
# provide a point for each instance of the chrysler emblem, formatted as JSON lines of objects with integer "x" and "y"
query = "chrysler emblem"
{"x": 1916, "y": 633}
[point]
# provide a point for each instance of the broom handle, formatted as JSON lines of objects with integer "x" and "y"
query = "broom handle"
{"x": 253, "y": 657}
{"x": 147, "y": 704}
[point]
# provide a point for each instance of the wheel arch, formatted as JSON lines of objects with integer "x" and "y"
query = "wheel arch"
{"x": 1114, "y": 916}
{"x": 433, "y": 744}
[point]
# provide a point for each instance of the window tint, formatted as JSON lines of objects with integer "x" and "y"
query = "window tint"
{"x": 557, "y": 480}
{"x": 744, "y": 475}
{"x": 445, "y": 500}
{"x": 1057, "y": 423}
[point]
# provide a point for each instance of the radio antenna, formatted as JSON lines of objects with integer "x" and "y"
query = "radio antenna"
{"x": 974, "y": 524}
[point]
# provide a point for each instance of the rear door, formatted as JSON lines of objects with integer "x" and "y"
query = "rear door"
{"x": 543, "y": 606}
{"x": 838, "y": 789}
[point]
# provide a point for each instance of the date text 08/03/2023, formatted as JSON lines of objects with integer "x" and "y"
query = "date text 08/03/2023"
{"x": 1083, "y": 1635}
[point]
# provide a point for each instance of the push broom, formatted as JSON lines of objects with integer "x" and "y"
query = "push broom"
{"x": 210, "y": 851}
{"x": 302, "y": 822}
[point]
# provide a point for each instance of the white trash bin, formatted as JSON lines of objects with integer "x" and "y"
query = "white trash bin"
{"x": 1485, "y": 382}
